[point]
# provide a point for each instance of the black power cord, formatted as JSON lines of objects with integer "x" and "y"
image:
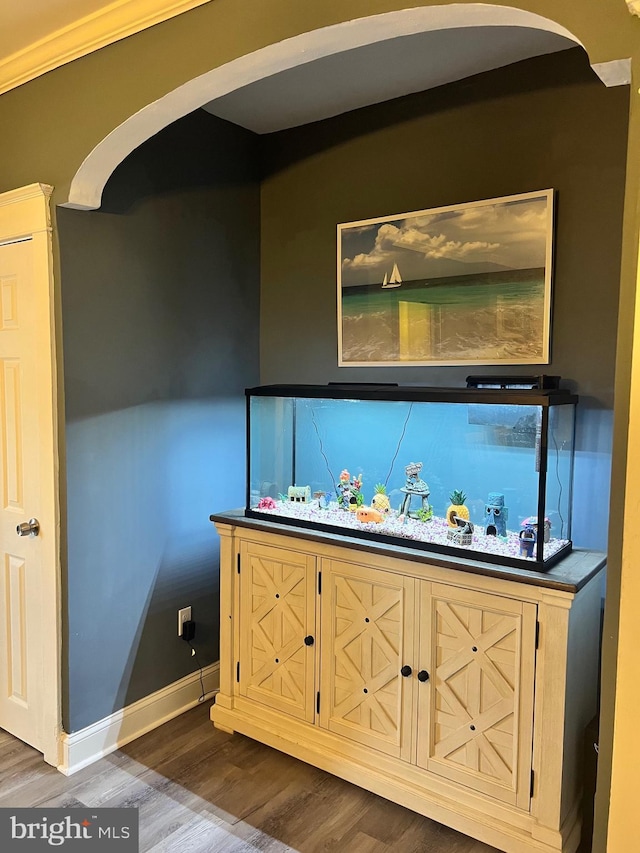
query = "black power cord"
{"x": 188, "y": 633}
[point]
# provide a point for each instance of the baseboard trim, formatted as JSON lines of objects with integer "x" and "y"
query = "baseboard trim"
{"x": 88, "y": 745}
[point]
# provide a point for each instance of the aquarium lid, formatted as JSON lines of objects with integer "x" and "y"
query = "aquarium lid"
{"x": 413, "y": 393}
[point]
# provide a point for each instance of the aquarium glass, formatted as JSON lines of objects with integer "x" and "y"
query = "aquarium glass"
{"x": 560, "y": 470}
{"x": 459, "y": 475}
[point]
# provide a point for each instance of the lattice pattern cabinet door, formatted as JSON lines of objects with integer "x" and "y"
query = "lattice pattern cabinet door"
{"x": 367, "y": 637}
{"x": 277, "y": 616}
{"x": 475, "y": 713}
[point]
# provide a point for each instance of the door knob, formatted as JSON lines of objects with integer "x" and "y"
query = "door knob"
{"x": 423, "y": 675}
{"x": 28, "y": 528}
{"x": 308, "y": 641}
{"x": 406, "y": 671}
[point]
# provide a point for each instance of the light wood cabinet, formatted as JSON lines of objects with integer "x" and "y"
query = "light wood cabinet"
{"x": 475, "y": 719}
{"x": 367, "y": 637}
{"x": 459, "y": 690}
{"x": 277, "y": 613}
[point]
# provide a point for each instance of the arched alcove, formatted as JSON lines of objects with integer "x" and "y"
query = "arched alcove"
{"x": 504, "y": 35}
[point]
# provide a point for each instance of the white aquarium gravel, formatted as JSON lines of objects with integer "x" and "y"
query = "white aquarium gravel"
{"x": 433, "y": 532}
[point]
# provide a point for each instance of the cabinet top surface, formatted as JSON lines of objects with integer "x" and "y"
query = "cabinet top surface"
{"x": 569, "y": 575}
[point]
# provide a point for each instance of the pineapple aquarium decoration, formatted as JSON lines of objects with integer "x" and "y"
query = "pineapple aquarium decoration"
{"x": 380, "y": 499}
{"x": 457, "y": 507}
{"x": 460, "y": 530}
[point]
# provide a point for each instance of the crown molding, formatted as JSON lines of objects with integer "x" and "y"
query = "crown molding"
{"x": 634, "y": 7}
{"x": 114, "y": 22}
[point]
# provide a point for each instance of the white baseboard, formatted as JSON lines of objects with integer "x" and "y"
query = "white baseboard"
{"x": 82, "y": 748}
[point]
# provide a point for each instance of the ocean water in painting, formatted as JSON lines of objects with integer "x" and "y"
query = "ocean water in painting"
{"x": 485, "y": 317}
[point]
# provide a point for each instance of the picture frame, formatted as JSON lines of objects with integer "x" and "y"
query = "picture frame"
{"x": 464, "y": 284}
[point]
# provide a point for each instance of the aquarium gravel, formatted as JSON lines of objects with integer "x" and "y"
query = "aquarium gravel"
{"x": 433, "y": 532}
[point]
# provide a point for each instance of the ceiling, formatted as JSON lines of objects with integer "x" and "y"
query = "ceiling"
{"x": 379, "y": 72}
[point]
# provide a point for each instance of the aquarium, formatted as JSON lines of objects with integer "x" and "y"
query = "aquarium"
{"x": 477, "y": 472}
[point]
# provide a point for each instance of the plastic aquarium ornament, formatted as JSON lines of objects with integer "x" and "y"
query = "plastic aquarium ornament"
{"x": 414, "y": 487}
{"x": 266, "y": 503}
{"x": 528, "y": 538}
{"x": 546, "y": 526}
{"x": 299, "y": 494}
{"x": 496, "y": 515}
{"x": 320, "y": 497}
{"x": 366, "y": 514}
{"x": 350, "y": 496}
{"x": 380, "y": 500}
{"x": 457, "y": 509}
{"x": 425, "y": 513}
{"x": 462, "y": 534}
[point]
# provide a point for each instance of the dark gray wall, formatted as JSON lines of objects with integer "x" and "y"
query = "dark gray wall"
{"x": 544, "y": 123}
{"x": 160, "y": 300}
{"x": 160, "y": 313}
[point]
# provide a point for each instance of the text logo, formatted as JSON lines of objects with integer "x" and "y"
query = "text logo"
{"x": 77, "y": 829}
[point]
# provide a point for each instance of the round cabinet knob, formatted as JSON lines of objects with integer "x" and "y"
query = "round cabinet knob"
{"x": 423, "y": 675}
{"x": 308, "y": 641}
{"x": 406, "y": 671}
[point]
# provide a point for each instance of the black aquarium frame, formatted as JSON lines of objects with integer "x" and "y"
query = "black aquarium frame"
{"x": 546, "y": 398}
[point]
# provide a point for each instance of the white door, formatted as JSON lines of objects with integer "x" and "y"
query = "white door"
{"x": 29, "y": 600}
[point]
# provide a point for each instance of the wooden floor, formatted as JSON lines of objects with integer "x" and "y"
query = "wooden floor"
{"x": 203, "y": 791}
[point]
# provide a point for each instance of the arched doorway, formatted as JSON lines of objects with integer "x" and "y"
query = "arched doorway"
{"x": 508, "y": 35}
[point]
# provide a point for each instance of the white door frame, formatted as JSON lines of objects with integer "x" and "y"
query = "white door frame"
{"x": 25, "y": 213}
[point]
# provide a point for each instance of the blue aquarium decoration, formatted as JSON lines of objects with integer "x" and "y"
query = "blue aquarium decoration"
{"x": 496, "y": 515}
{"x": 390, "y": 436}
{"x": 546, "y": 527}
{"x": 528, "y": 538}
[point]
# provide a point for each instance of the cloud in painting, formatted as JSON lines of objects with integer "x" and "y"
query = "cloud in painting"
{"x": 467, "y": 240}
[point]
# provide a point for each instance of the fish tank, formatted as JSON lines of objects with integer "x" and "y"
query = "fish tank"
{"x": 479, "y": 472}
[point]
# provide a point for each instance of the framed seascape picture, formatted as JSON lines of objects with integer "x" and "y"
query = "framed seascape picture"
{"x": 463, "y": 284}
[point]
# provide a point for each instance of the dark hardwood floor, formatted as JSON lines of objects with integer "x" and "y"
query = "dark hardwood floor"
{"x": 203, "y": 791}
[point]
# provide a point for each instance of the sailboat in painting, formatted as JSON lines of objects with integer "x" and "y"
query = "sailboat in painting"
{"x": 394, "y": 280}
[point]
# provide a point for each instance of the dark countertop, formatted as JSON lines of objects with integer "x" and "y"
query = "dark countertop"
{"x": 569, "y": 575}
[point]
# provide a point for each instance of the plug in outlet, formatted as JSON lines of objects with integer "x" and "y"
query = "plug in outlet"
{"x": 184, "y": 615}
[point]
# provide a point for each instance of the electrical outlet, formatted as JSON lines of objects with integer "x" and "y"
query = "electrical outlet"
{"x": 184, "y": 615}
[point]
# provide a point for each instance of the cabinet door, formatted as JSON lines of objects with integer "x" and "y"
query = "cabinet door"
{"x": 277, "y": 614}
{"x": 367, "y": 637}
{"x": 475, "y": 713}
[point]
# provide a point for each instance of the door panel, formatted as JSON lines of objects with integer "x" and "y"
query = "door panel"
{"x": 367, "y": 636}
{"x": 277, "y": 613}
{"x": 21, "y": 658}
{"x": 476, "y": 711}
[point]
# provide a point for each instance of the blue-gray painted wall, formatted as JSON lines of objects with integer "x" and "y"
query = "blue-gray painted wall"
{"x": 160, "y": 301}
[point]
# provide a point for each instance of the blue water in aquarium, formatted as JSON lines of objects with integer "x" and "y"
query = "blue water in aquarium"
{"x": 476, "y": 449}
